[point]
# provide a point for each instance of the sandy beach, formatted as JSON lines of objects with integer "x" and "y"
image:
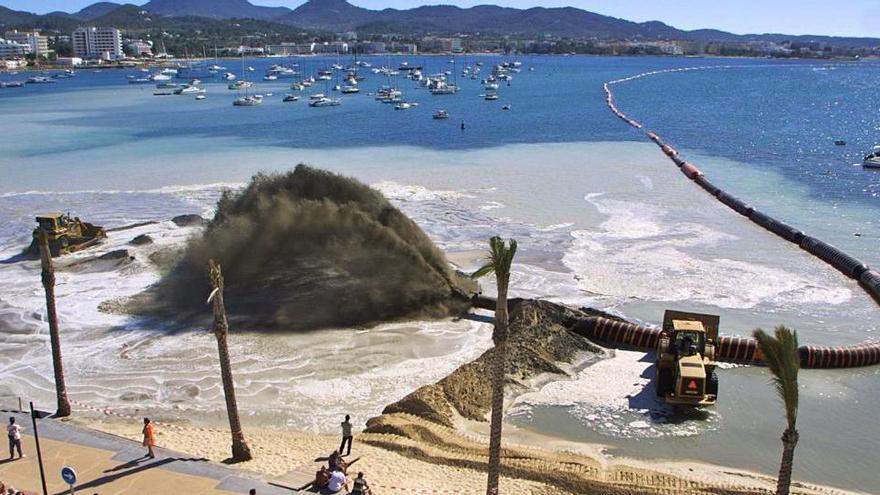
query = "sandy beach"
{"x": 450, "y": 460}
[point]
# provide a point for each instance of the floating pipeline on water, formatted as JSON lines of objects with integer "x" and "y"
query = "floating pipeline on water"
{"x": 848, "y": 265}
{"x": 738, "y": 350}
{"x": 743, "y": 350}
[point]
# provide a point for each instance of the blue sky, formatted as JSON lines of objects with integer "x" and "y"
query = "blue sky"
{"x": 840, "y": 17}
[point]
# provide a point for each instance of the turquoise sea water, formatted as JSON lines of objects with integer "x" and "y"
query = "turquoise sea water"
{"x": 603, "y": 219}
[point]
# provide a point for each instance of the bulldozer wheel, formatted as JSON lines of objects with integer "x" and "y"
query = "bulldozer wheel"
{"x": 664, "y": 381}
{"x": 712, "y": 383}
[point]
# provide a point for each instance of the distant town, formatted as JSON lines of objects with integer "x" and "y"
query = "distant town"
{"x": 119, "y": 35}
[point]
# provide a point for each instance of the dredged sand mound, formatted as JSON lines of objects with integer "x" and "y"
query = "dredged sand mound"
{"x": 310, "y": 249}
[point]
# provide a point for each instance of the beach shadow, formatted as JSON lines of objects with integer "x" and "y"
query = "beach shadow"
{"x": 23, "y": 256}
{"x": 130, "y": 464}
{"x": 113, "y": 477}
{"x": 658, "y": 410}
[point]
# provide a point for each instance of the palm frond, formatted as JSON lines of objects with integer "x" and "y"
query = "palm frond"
{"x": 499, "y": 260}
{"x": 781, "y": 355}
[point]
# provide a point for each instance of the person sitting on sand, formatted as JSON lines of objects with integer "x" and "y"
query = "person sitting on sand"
{"x": 360, "y": 486}
{"x": 337, "y": 482}
{"x": 322, "y": 477}
{"x": 337, "y": 463}
{"x": 149, "y": 438}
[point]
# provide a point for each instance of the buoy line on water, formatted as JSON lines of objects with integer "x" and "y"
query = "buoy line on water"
{"x": 741, "y": 349}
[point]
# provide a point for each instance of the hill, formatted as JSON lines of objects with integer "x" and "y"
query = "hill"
{"x": 96, "y": 10}
{"x": 216, "y": 9}
{"x": 339, "y": 15}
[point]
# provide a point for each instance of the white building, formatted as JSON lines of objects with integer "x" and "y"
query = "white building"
{"x": 37, "y": 44}
{"x": 11, "y": 49}
{"x": 101, "y": 42}
{"x": 69, "y": 61}
{"x": 141, "y": 48}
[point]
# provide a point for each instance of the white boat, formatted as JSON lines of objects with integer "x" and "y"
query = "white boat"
{"x": 216, "y": 68}
{"x": 161, "y": 77}
{"x": 270, "y": 77}
{"x": 168, "y": 72}
{"x": 506, "y": 107}
{"x": 491, "y": 96}
{"x": 189, "y": 90}
{"x": 317, "y": 96}
{"x": 325, "y": 102}
{"x": 441, "y": 115}
{"x": 872, "y": 160}
{"x": 290, "y": 98}
{"x": 403, "y": 106}
{"x": 239, "y": 85}
{"x": 349, "y": 89}
{"x": 248, "y": 101}
{"x": 491, "y": 86}
{"x": 200, "y": 97}
{"x": 229, "y": 76}
{"x": 336, "y": 87}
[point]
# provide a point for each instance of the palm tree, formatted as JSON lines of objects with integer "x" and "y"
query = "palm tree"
{"x": 48, "y": 277}
{"x": 782, "y": 357}
{"x": 499, "y": 261}
{"x": 240, "y": 450}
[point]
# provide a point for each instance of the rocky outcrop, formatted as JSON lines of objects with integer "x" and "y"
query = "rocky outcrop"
{"x": 188, "y": 220}
{"x": 141, "y": 240}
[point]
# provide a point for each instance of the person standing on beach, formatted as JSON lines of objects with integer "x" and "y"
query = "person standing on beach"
{"x": 346, "y": 435}
{"x": 149, "y": 438}
{"x": 14, "y": 433}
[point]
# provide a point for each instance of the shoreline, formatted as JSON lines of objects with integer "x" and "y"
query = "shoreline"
{"x": 395, "y": 464}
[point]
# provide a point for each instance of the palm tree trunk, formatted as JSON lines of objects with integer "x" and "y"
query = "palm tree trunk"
{"x": 48, "y": 277}
{"x": 789, "y": 442}
{"x": 498, "y": 379}
{"x": 240, "y": 450}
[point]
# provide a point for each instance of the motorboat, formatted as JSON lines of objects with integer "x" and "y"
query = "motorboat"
{"x": 200, "y": 97}
{"x": 131, "y": 80}
{"x": 248, "y": 101}
{"x": 167, "y": 85}
{"x": 403, "y": 106}
{"x": 270, "y": 77}
{"x": 441, "y": 115}
{"x": 317, "y": 96}
{"x": 491, "y": 96}
{"x": 873, "y": 159}
{"x": 160, "y": 77}
{"x": 229, "y": 76}
{"x": 189, "y": 90}
{"x": 506, "y": 107}
{"x": 325, "y": 102}
{"x": 290, "y": 98}
{"x": 350, "y": 89}
{"x": 239, "y": 85}
{"x": 12, "y": 84}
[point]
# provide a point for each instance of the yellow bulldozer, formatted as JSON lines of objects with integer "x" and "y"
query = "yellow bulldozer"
{"x": 686, "y": 364}
{"x": 65, "y": 234}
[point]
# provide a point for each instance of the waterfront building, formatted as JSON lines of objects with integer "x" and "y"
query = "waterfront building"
{"x": 36, "y": 43}
{"x": 98, "y": 42}
{"x": 11, "y": 49}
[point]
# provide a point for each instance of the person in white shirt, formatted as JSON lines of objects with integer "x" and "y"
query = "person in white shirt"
{"x": 14, "y": 433}
{"x": 337, "y": 482}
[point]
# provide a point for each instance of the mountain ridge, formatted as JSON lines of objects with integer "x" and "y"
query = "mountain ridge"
{"x": 340, "y": 15}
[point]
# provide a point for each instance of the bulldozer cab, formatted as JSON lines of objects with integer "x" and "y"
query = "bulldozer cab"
{"x": 689, "y": 337}
{"x": 690, "y": 324}
{"x": 52, "y": 222}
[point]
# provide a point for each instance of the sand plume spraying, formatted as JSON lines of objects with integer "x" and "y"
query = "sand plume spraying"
{"x": 310, "y": 249}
